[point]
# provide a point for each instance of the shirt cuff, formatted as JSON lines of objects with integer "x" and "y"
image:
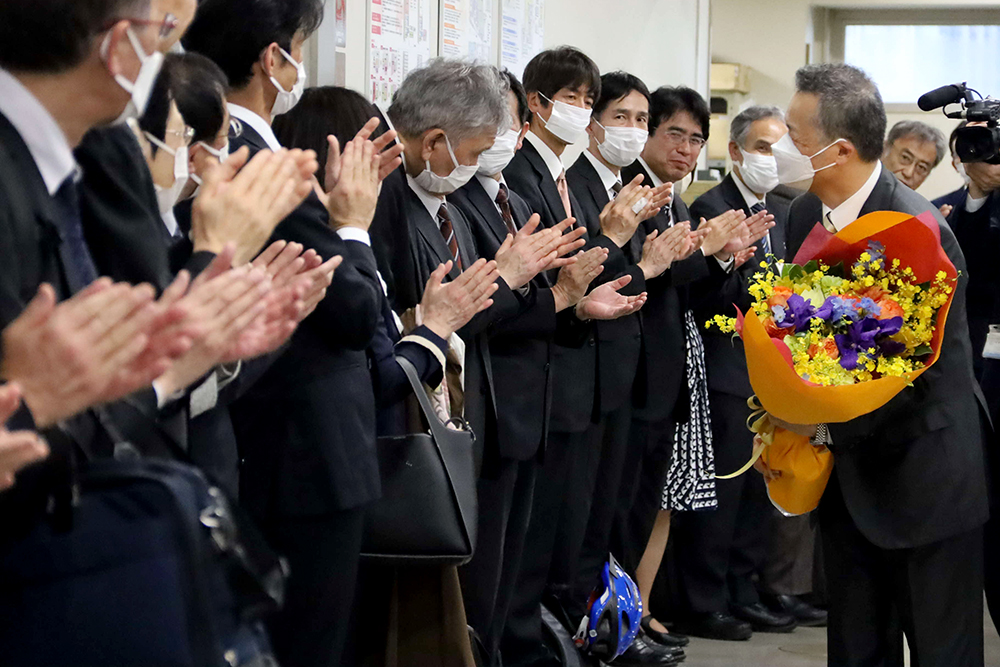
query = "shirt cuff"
{"x": 354, "y": 234}
{"x": 163, "y": 400}
{"x": 972, "y": 204}
{"x": 727, "y": 265}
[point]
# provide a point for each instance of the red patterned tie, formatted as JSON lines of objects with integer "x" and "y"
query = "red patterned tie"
{"x": 448, "y": 232}
{"x": 503, "y": 201}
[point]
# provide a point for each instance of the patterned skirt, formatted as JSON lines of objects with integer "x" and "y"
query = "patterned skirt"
{"x": 690, "y": 481}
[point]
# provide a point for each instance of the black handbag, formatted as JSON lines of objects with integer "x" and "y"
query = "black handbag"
{"x": 427, "y": 513}
{"x": 148, "y": 564}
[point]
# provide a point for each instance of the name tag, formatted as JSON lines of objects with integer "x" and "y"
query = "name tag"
{"x": 992, "y": 349}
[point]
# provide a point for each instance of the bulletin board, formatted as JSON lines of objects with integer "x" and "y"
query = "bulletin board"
{"x": 399, "y": 34}
{"x": 522, "y": 33}
{"x": 468, "y": 30}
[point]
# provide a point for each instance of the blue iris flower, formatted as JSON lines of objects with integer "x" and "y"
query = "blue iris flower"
{"x": 868, "y": 336}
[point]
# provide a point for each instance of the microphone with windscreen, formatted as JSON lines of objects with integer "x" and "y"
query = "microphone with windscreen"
{"x": 942, "y": 97}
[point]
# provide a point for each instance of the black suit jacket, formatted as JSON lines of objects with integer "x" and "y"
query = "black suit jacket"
{"x": 619, "y": 342}
{"x": 575, "y": 397}
{"x": 306, "y": 430}
{"x": 664, "y": 343}
{"x": 724, "y": 356}
{"x": 401, "y": 214}
{"x": 29, "y": 256}
{"x": 912, "y": 472}
{"x": 521, "y": 347}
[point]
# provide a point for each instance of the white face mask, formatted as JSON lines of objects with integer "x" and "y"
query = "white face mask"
{"x": 759, "y": 172}
{"x": 622, "y": 145}
{"x": 445, "y": 185}
{"x": 221, "y": 153}
{"x": 960, "y": 168}
{"x": 287, "y": 99}
{"x": 496, "y": 159}
{"x": 567, "y": 122}
{"x": 142, "y": 87}
{"x": 794, "y": 168}
{"x": 168, "y": 197}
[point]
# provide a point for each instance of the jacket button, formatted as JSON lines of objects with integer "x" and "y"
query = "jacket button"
{"x": 547, "y": 367}
{"x": 591, "y": 342}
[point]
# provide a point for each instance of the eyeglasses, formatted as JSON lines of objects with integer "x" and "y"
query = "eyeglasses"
{"x": 187, "y": 134}
{"x": 696, "y": 141}
{"x": 167, "y": 25}
{"x": 922, "y": 168}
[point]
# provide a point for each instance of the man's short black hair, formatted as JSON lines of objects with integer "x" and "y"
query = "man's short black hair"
{"x": 666, "y": 101}
{"x": 564, "y": 67}
{"x": 954, "y": 136}
{"x": 52, "y": 36}
{"x": 233, "y": 33}
{"x": 617, "y": 85}
{"x": 323, "y": 111}
{"x": 198, "y": 87}
{"x": 523, "y": 112}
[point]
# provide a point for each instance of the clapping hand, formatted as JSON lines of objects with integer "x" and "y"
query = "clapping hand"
{"x": 605, "y": 303}
{"x": 18, "y": 449}
{"x": 447, "y": 307}
{"x": 103, "y": 344}
{"x": 660, "y": 251}
{"x": 389, "y": 158}
{"x": 352, "y": 201}
{"x": 243, "y": 205}
{"x": 574, "y": 280}
{"x": 619, "y": 219}
{"x": 524, "y": 256}
{"x": 721, "y": 232}
{"x": 658, "y": 198}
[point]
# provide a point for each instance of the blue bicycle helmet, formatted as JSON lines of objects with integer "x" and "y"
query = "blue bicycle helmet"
{"x": 613, "y": 614}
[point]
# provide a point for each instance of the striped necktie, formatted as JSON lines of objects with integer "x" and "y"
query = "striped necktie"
{"x": 448, "y": 232}
{"x": 503, "y": 203}
{"x": 765, "y": 243}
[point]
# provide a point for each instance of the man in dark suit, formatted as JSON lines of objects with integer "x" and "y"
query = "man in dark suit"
{"x": 902, "y": 516}
{"x": 561, "y": 86}
{"x": 721, "y": 551}
{"x": 618, "y": 133}
{"x": 306, "y": 430}
{"x": 521, "y": 354}
{"x": 956, "y": 198}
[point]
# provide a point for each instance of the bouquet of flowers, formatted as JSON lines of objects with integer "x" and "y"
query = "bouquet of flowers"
{"x": 836, "y": 334}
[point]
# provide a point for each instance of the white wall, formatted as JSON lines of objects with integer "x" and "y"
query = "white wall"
{"x": 771, "y": 36}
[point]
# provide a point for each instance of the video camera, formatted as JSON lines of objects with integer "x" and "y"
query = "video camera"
{"x": 972, "y": 144}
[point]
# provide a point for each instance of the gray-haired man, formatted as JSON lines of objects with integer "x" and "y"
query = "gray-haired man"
{"x": 912, "y": 150}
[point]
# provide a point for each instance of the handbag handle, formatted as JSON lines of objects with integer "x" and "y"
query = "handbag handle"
{"x": 438, "y": 428}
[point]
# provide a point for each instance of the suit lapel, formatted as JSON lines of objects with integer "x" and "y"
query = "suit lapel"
{"x": 428, "y": 229}
{"x": 548, "y": 185}
{"x": 488, "y": 210}
{"x": 247, "y": 136}
{"x": 732, "y": 196}
{"x": 881, "y": 197}
{"x": 466, "y": 244}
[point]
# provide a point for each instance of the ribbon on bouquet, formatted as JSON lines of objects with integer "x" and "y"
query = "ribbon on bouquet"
{"x": 758, "y": 423}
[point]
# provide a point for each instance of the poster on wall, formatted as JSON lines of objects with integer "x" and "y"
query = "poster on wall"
{"x": 522, "y": 33}
{"x": 400, "y": 42}
{"x": 467, "y": 29}
{"x": 341, "y": 23}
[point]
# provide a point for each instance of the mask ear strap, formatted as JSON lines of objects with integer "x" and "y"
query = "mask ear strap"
{"x": 153, "y": 139}
{"x": 451, "y": 152}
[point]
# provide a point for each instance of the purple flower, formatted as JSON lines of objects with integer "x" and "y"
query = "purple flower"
{"x": 841, "y": 310}
{"x": 797, "y": 314}
{"x": 868, "y": 336}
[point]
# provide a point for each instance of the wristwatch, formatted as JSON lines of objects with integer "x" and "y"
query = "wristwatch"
{"x": 822, "y": 436}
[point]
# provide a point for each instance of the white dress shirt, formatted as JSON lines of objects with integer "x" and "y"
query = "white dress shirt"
{"x": 850, "y": 210}
{"x": 40, "y": 132}
{"x": 552, "y": 161}
{"x": 263, "y": 128}
{"x": 655, "y": 181}
{"x": 492, "y": 187}
{"x": 608, "y": 178}
{"x": 431, "y": 202}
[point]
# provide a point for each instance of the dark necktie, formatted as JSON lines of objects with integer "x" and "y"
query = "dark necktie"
{"x": 503, "y": 202}
{"x": 448, "y": 232}
{"x": 76, "y": 259}
{"x": 616, "y": 189}
{"x": 765, "y": 243}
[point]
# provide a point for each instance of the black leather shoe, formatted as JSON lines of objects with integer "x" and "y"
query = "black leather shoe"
{"x": 762, "y": 619}
{"x": 804, "y": 613}
{"x": 717, "y": 625}
{"x": 644, "y": 652}
{"x": 668, "y": 639}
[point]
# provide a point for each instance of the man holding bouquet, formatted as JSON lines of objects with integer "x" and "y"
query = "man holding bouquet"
{"x": 902, "y": 516}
